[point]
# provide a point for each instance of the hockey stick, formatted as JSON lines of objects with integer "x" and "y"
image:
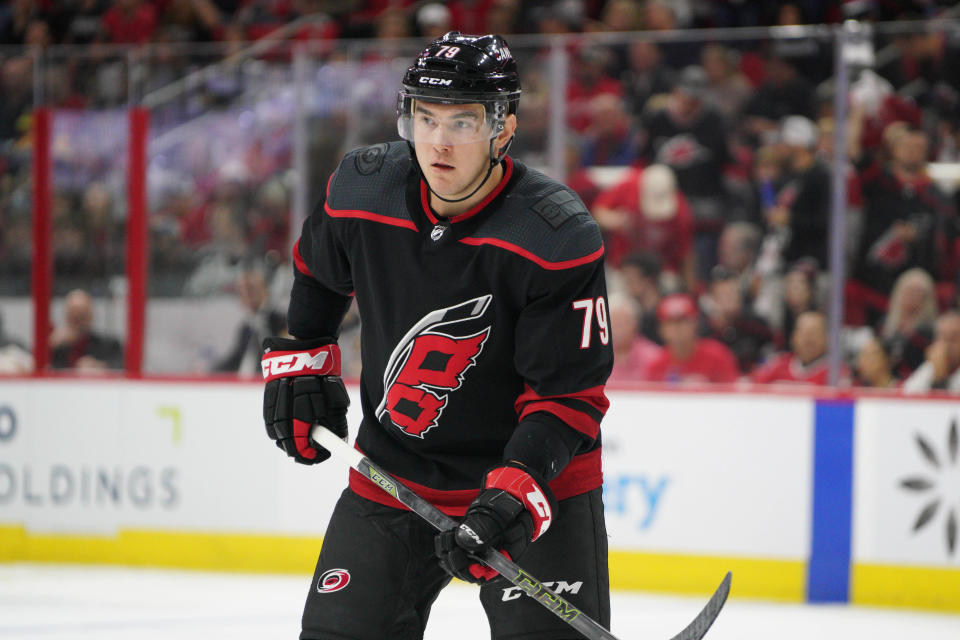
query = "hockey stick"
{"x": 590, "y": 629}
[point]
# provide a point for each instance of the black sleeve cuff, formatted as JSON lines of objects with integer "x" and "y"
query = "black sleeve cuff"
{"x": 544, "y": 443}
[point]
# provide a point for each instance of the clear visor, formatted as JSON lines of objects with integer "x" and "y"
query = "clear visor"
{"x": 446, "y": 124}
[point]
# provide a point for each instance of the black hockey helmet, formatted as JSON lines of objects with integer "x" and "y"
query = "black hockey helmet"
{"x": 462, "y": 69}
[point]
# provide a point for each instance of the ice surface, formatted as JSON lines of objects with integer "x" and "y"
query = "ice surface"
{"x": 56, "y": 602}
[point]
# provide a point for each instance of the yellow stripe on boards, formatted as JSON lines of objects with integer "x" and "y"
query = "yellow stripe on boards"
{"x": 914, "y": 587}
{"x": 917, "y": 587}
{"x": 135, "y": 547}
{"x": 674, "y": 573}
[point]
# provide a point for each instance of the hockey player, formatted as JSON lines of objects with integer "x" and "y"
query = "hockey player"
{"x": 485, "y": 351}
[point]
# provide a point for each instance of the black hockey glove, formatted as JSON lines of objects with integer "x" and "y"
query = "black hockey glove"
{"x": 513, "y": 509}
{"x": 303, "y": 388}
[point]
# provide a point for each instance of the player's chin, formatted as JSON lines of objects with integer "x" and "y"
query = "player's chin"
{"x": 445, "y": 184}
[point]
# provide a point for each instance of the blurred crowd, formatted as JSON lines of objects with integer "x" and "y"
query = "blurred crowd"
{"x": 709, "y": 164}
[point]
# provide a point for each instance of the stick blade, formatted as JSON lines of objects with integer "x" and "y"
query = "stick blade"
{"x": 701, "y": 624}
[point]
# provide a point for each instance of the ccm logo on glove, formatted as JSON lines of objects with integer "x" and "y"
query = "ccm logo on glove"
{"x": 321, "y": 361}
{"x": 303, "y": 388}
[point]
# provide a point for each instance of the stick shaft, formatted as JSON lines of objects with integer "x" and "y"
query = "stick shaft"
{"x": 591, "y": 629}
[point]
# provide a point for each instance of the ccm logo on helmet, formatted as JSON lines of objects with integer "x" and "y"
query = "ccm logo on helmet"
{"x": 438, "y": 81}
{"x": 287, "y": 363}
{"x": 333, "y": 580}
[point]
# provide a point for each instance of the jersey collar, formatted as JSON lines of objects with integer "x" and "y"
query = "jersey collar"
{"x": 475, "y": 209}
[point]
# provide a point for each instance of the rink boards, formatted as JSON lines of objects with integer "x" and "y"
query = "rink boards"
{"x": 803, "y": 498}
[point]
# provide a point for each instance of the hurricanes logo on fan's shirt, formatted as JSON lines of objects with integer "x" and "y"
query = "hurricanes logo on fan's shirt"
{"x": 682, "y": 151}
{"x": 427, "y": 364}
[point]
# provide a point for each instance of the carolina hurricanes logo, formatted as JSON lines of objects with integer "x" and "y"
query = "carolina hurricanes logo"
{"x": 682, "y": 151}
{"x": 333, "y": 580}
{"x": 427, "y": 364}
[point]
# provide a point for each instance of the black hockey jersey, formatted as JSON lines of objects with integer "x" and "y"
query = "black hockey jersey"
{"x": 469, "y": 324}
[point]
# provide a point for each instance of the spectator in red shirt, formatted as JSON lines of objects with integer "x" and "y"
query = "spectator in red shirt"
{"x": 807, "y": 362}
{"x": 130, "y": 21}
{"x": 687, "y": 357}
{"x": 646, "y": 212}
{"x": 589, "y": 80}
{"x": 632, "y": 352}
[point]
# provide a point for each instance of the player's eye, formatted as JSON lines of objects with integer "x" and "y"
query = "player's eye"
{"x": 427, "y": 120}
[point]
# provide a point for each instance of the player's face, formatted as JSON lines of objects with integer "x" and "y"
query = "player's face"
{"x": 452, "y": 144}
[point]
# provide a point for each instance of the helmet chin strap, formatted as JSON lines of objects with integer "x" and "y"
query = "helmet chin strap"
{"x": 494, "y": 161}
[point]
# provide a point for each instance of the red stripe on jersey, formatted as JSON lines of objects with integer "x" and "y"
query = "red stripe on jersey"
{"x": 530, "y": 402}
{"x": 475, "y": 209}
{"x": 546, "y": 264}
{"x": 571, "y": 417}
{"x": 369, "y": 215}
{"x": 298, "y": 260}
{"x": 364, "y": 215}
{"x": 584, "y": 473}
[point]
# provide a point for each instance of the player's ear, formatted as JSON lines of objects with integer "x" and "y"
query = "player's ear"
{"x": 509, "y": 129}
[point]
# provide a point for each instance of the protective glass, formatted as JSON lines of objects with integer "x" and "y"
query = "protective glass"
{"x": 450, "y": 123}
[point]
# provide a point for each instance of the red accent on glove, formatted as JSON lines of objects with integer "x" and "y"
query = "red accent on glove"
{"x": 322, "y": 361}
{"x": 301, "y": 438}
{"x": 524, "y": 488}
{"x": 483, "y": 572}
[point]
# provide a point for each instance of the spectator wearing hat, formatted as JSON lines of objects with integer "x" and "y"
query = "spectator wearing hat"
{"x": 806, "y": 362}
{"x": 800, "y": 215}
{"x": 729, "y": 320}
{"x": 689, "y": 136}
{"x": 688, "y": 358}
{"x": 646, "y": 212}
{"x": 433, "y": 20}
{"x": 632, "y": 351}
